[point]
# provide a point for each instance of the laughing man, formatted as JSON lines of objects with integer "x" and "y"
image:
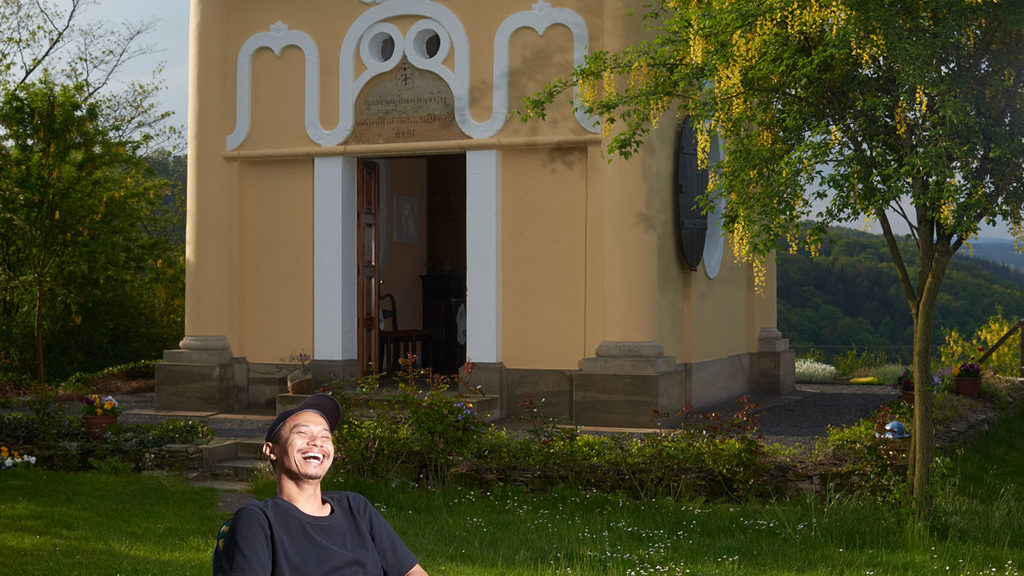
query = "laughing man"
{"x": 301, "y": 530}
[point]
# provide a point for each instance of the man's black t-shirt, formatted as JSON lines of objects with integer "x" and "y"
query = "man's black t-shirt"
{"x": 275, "y": 537}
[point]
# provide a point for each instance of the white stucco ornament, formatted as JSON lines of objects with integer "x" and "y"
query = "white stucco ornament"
{"x": 714, "y": 241}
{"x": 371, "y": 31}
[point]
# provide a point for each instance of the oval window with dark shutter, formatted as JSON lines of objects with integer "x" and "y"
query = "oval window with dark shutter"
{"x": 691, "y": 182}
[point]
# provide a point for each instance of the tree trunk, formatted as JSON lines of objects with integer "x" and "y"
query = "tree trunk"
{"x": 919, "y": 461}
{"x": 923, "y": 445}
{"x": 40, "y": 370}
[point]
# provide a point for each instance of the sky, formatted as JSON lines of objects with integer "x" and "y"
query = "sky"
{"x": 170, "y": 41}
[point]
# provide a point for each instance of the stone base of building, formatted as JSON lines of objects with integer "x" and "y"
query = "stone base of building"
{"x": 625, "y": 385}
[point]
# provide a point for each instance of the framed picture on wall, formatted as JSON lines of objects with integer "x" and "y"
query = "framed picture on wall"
{"x": 407, "y": 216}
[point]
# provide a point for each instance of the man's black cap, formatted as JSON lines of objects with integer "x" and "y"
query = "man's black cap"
{"x": 323, "y": 404}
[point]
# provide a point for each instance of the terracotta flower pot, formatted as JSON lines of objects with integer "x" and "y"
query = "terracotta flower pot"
{"x": 908, "y": 396}
{"x": 95, "y": 426}
{"x": 968, "y": 385}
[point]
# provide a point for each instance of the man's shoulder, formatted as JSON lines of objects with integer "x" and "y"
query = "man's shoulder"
{"x": 341, "y": 497}
{"x": 256, "y": 508}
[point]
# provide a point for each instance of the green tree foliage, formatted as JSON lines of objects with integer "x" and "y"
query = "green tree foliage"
{"x": 85, "y": 257}
{"x": 911, "y": 110}
{"x": 90, "y": 242}
{"x": 849, "y": 296}
{"x": 59, "y": 41}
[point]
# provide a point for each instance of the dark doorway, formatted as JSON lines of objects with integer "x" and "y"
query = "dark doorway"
{"x": 420, "y": 264}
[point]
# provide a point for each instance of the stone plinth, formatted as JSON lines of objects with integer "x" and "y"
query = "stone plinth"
{"x": 199, "y": 376}
{"x": 200, "y": 350}
{"x": 773, "y": 366}
{"x": 192, "y": 387}
{"x": 626, "y": 400}
{"x": 629, "y": 358}
{"x": 625, "y": 384}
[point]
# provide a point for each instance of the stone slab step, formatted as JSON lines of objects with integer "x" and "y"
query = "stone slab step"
{"x": 239, "y": 469}
{"x": 224, "y": 457}
{"x": 486, "y": 407}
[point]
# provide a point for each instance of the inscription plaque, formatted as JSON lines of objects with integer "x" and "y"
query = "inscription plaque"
{"x": 405, "y": 105}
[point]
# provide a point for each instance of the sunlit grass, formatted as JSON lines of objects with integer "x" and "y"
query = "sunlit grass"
{"x": 88, "y": 523}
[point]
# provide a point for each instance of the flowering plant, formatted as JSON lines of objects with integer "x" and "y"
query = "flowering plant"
{"x": 967, "y": 370}
{"x": 904, "y": 381}
{"x": 9, "y": 459}
{"x": 96, "y": 406}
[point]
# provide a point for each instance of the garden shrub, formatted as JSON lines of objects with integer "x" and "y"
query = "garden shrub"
{"x": 59, "y": 441}
{"x": 81, "y": 382}
{"x": 436, "y": 438}
{"x": 372, "y": 448}
{"x": 430, "y": 431}
{"x": 863, "y": 460}
{"x": 852, "y": 361}
{"x": 888, "y": 373}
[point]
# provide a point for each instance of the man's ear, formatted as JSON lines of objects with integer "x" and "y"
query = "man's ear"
{"x": 268, "y": 451}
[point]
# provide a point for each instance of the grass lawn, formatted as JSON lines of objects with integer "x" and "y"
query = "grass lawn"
{"x": 97, "y": 524}
{"x": 92, "y": 523}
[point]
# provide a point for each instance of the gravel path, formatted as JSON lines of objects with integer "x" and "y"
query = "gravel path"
{"x": 804, "y": 415}
{"x": 799, "y": 418}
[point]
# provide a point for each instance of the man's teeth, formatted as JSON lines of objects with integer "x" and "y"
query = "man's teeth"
{"x": 313, "y": 457}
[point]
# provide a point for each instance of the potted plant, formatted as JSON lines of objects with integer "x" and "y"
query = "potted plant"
{"x": 98, "y": 413}
{"x": 968, "y": 379}
{"x": 905, "y": 384}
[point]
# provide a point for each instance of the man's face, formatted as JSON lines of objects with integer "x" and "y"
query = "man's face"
{"x": 304, "y": 448}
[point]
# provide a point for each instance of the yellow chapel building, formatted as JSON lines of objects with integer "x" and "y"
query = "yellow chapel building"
{"x": 359, "y": 187}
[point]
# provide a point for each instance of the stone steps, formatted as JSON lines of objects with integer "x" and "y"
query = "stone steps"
{"x": 233, "y": 459}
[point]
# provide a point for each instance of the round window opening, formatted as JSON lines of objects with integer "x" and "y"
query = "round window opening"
{"x": 385, "y": 48}
{"x": 431, "y": 44}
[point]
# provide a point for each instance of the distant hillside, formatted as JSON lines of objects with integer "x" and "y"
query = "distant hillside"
{"x": 850, "y": 295}
{"x": 997, "y": 250}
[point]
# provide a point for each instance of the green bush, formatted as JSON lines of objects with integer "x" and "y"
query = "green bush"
{"x": 372, "y": 448}
{"x": 59, "y": 441}
{"x": 81, "y": 382}
{"x": 435, "y": 438}
{"x": 888, "y": 373}
{"x": 852, "y": 361}
{"x": 866, "y": 462}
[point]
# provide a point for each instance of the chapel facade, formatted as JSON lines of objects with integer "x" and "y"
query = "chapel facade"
{"x": 359, "y": 187}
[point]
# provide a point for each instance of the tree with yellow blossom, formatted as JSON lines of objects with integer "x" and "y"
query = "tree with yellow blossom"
{"x": 884, "y": 111}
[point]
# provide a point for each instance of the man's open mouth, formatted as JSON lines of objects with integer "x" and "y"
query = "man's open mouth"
{"x": 314, "y": 457}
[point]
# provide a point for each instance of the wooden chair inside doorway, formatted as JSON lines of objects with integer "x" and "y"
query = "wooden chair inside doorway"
{"x": 396, "y": 343}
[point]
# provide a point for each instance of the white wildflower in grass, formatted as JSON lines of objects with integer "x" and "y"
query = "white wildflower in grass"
{"x": 808, "y": 370}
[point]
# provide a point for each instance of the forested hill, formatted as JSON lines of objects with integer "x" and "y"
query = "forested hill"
{"x": 850, "y": 296}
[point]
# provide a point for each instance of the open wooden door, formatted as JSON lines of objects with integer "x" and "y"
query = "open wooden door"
{"x": 369, "y": 325}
